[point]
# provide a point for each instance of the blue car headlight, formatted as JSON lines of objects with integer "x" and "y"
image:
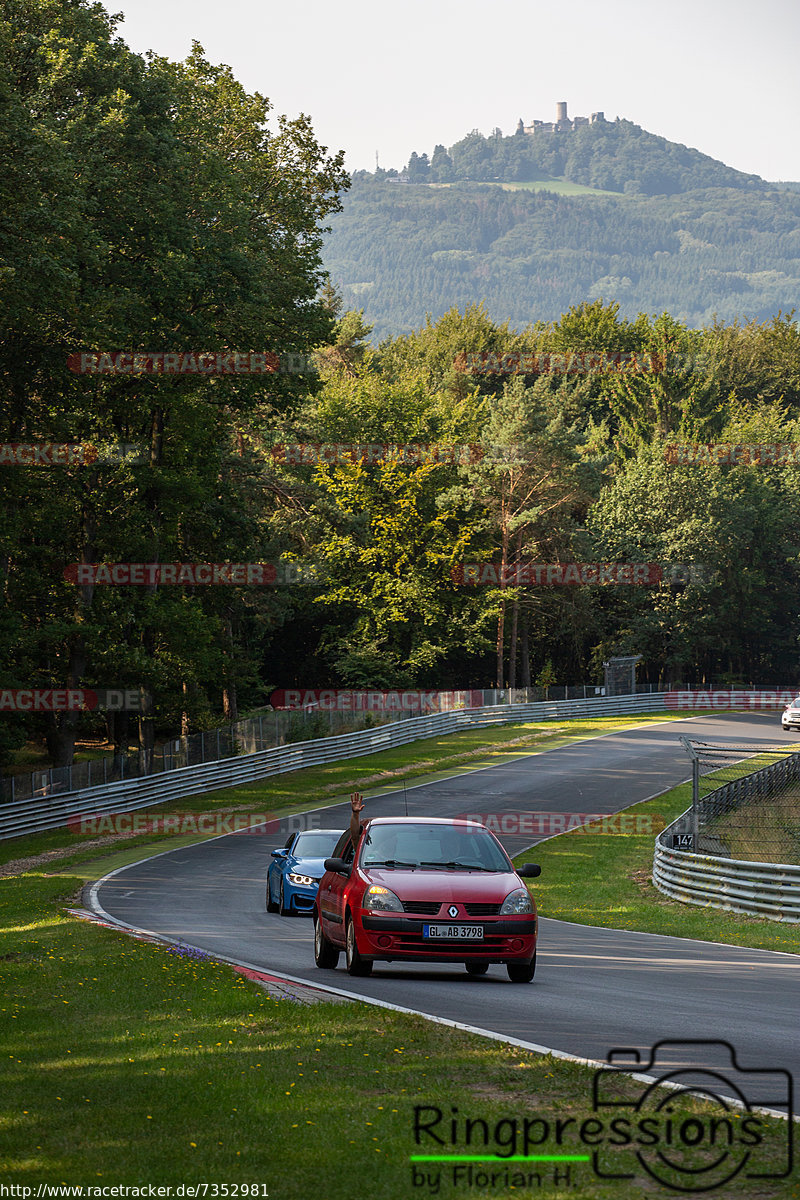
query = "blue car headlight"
{"x": 301, "y": 880}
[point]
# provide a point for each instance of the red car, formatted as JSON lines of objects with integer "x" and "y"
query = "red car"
{"x": 428, "y": 890}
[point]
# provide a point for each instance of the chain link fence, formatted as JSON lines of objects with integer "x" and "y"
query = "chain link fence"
{"x": 745, "y": 802}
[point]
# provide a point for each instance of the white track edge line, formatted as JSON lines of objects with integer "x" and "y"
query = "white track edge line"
{"x": 491, "y": 1034}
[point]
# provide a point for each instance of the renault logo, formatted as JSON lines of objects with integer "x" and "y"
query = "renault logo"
{"x": 452, "y": 911}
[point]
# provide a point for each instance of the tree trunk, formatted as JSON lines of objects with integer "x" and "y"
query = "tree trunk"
{"x": 526, "y": 652}
{"x": 184, "y": 712}
{"x": 501, "y": 619}
{"x": 512, "y": 653}
{"x": 230, "y": 699}
{"x": 501, "y": 631}
{"x": 146, "y": 741}
{"x": 62, "y": 727}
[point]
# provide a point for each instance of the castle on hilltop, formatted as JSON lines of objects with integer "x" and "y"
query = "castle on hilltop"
{"x": 562, "y": 123}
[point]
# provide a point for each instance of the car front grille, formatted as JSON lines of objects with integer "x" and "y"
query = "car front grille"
{"x": 428, "y": 908}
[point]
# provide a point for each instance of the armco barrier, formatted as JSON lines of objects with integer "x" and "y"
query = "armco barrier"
{"x": 759, "y": 889}
{"x": 756, "y": 888}
{"x": 52, "y": 812}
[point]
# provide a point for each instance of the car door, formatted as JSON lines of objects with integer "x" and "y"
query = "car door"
{"x": 277, "y": 866}
{"x": 332, "y": 892}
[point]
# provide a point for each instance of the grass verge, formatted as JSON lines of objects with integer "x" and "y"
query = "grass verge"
{"x": 596, "y": 878}
{"x": 126, "y": 1064}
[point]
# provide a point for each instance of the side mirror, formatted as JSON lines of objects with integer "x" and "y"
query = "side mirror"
{"x": 279, "y": 853}
{"x": 338, "y": 865}
{"x": 529, "y": 871}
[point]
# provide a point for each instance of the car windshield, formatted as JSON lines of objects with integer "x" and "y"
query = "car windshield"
{"x": 432, "y": 848}
{"x": 315, "y": 845}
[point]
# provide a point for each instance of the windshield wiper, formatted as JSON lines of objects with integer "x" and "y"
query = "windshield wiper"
{"x": 457, "y": 866}
{"x": 393, "y": 863}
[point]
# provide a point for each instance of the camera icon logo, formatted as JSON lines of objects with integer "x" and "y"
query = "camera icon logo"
{"x": 729, "y": 1136}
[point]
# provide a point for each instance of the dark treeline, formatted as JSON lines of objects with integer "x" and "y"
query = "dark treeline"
{"x": 148, "y": 207}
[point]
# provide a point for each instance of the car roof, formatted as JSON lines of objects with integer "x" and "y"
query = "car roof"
{"x": 459, "y": 821}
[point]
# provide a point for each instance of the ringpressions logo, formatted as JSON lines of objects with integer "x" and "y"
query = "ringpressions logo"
{"x": 706, "y": 1127}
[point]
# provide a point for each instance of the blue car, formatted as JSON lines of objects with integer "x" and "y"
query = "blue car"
{"x": 295, "y": 871}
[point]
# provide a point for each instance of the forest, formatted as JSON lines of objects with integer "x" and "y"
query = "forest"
{"x": 152, "y": 215}
{"x": 401, "y": 251}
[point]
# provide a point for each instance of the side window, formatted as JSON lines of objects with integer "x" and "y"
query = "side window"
{"x": 348, "y": 851}
{"x": 340, "y": 850}
{"x": 289, "y": 840}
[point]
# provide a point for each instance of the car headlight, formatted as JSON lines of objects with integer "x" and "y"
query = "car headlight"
{"x": 381, "y": 899}
{"x": 518, "y": 901}
{"x": 302, "y": 880}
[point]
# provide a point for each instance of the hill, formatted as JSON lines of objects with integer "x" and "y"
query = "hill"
{"x": 616, "y": 156}
{"x": 539, "y": 231}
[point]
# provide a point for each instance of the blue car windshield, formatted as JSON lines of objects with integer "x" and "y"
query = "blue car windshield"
{"x": 315, "y": 845}
{"x": 432, "y": 847}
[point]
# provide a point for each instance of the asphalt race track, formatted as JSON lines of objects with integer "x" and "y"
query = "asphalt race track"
{"x": 595, "y": 989}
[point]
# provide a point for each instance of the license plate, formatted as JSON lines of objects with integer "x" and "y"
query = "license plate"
{"x": 467, "y": 933}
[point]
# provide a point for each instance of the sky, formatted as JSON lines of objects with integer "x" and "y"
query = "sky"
{"x": 717, "y": 75}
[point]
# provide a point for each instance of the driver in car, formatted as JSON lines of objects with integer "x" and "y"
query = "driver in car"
{"x": 389, "y": 836}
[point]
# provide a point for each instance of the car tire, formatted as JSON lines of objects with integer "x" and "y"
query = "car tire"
{"x": 522, "y": 972}
{"x": 326, "y": 955}
{"x": 356, "y": 965}
{"x": 271, "y": 905}
{"x": 476, "y": 968}
{"x": 282, "y": 908}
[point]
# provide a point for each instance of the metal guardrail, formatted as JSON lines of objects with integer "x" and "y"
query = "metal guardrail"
{"x": 53, "y": 812}
{"x": 755, "y": 888}
{"x": 760, "y": 889}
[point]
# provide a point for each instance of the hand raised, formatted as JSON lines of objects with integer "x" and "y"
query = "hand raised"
{"x": 356, "y": 801}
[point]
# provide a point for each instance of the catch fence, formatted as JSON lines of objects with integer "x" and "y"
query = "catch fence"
{"x": 738, "y": 846}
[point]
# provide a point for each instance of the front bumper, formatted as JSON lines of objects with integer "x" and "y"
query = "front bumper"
{"x": 299, "y": 897}
{"x": 505, "y": 939}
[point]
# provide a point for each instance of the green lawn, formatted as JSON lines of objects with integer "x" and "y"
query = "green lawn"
{"x": 126, "y": 1064}
{"x": 562, "y": 187}
{"x": 605, "y": 879}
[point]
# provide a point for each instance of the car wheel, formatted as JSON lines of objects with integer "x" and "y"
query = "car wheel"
{"x": 356, "y": 965}
{"x": 477, "y": 968}
{"x": 522, "y": 972}
{"x": 325, "y": 953}
{"x": 282, "y": 909}
{"x": 271, "y": 905}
